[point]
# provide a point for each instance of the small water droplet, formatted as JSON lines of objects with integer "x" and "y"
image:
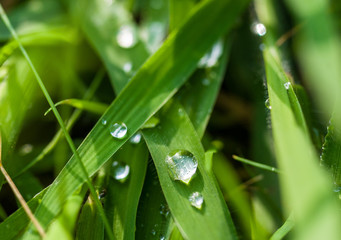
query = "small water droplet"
{"x": 259, "y": 29}
{"x": 262, "y": 47}
{"x": 273, "y": 169}
{"x": 104, "y": 122}
{"x": 126, "y": 36}
{"x": 127, "y": 67}
{"x": 181, "y": 112}
{"x": 120, "y": 171}
{"x": 153, "y": 232}
{"x": 196, "y": 199}
{"x": 136, "y": 138}
{"x": 182, "y": 165}
{"x": 205, "y": 81}
{"x": 25, "y": 149}
{"x": 118, "y": 130}
{"x": 287, "y": 85}
{"x": 162, "y": 238}
{"x": 102, "y": 194}
{"x": 164, "y": 210}
{"x": 211, "y": 58}
{"x": 267, "y": 104}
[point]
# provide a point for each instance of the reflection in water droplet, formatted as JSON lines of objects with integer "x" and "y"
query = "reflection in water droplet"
{"x": 267, "y": 104}
{"x": 126, "y": 36}
{"x": 104, "y": 122}
{"x": 196, "y": 199}
{"x": 259, "y": 29}
{"x": 120, "y": 171}
{"x": 287, "y": 85}
{"x": 162, "y": 238}
{"x": 127, "y": 67}
{"x": 136, "y": 138}
{"x": 118, "y": 130}
{"x": 211, "y": 58}
{"x": 182, "y": 165}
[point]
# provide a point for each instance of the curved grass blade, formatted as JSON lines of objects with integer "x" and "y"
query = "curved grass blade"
{"x": 213, "y": 220}
{"x": 284, "y": 229}
{"x": 156, "y": 81}
{"x": 90, "y": 106}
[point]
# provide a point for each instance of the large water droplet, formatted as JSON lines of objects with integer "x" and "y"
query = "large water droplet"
{"x": 120, "y": 171}
{"x": 126, "y": 36}
{"x": 267, "y": 104}
{"x": 136, "y": 138}
{"x": 118, "y": 130}
{"x": 196, "y": 199}
{"x": 287, "y": 85}
{"x": 182, "y": 165}
{"x": 259, "y": 29}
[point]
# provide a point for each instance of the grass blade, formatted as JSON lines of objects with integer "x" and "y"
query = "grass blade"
{"x": 176, "y": 132}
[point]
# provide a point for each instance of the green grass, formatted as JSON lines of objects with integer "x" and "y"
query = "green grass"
{"x": 180, "y": 75}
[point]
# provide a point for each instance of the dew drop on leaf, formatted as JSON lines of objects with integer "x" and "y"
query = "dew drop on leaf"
{"x": 267, "y": 104}
{"x": 118, "y": 130}
{"x": 287, "y": 85}
{"x": 136, "y": 138}
{"x": 182, "y": 165}
{"x": 196, "y": 199}
{"x": 126, "y": 36}
{"x": 120, "y": 171}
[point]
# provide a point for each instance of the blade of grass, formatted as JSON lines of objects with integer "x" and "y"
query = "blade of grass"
{"x": 305, "y": 191}
{"x": 284, "y": 229}
{"x": 318, "y": 49}
{"x": 122, "y": 198}
{"x": 59, "y": 119}
{"x": 148, "y": 90}
{"x": 256, "y": 164}
{"x": 211, "y": 222}
{"x": 94, "y": 107}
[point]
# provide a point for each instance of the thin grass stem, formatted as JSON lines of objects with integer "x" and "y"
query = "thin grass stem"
{"x": 60, "y": 121}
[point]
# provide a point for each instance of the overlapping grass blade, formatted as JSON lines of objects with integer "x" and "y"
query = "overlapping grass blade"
{"x": 305, "y": 191}
{"x": 318, "y": 51}
{"x": 122, "y": 199}
{"x": 175, "y": 131}
{"x": 150, "y": 88}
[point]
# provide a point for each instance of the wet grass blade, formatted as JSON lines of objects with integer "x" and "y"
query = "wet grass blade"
{"x": 156, "y": 81}
{"x": 284, "y": 229}
{"x": 175, "y": 132}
